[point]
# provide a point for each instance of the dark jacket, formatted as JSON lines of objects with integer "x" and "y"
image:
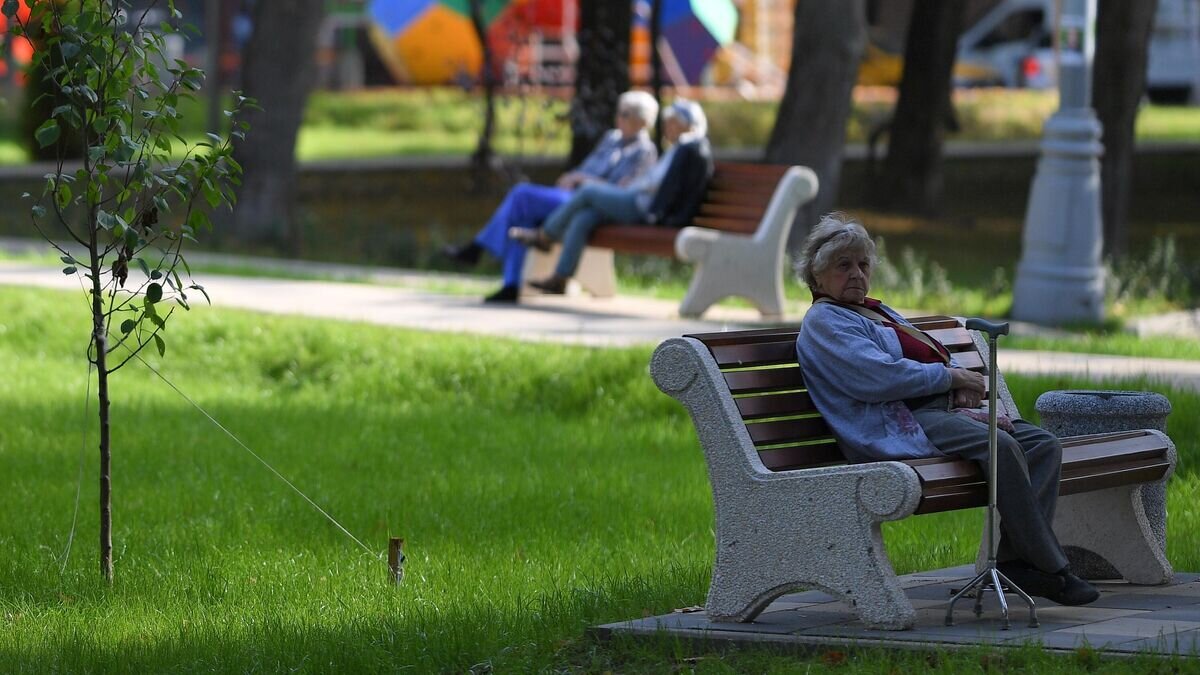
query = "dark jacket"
{"x": 682, "y": 189}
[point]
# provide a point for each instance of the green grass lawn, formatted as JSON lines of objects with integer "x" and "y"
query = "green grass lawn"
{"x": 541, "y": 489}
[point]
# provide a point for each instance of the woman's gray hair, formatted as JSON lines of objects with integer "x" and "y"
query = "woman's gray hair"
{"x": 836, "y": 233}
{"x": 690, "y": 113}
{"x": 639, "y": 103}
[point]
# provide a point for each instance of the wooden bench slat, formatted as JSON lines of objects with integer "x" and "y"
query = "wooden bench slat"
{"x": 1081, "y": 455}
{"x": 740, "y": 211}
{"x": 769, "y": 379}
{"x": 773, "y": 171}
{"x": 774, "y": 334}
{"x": 1113, "y": 475}
{"x": 801, "y": 456}
{"x": 757, "y": 354}
{"x": 934, "y": 321}
{"x": 788, "y": 431}
{"x": 955, "y": 339}
{"x": 1084, "y": 456}
{"x": 963, "y": 496}
{"x": 774, "y": 405}
{"x": 639, "y": 239}
{"x": 739, "y": 225}
{"x": 969, "y": 360}
{"x": 761, "y": 189}
{"x": 735, "y": 198}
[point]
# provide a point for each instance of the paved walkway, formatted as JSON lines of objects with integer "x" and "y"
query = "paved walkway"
{"x": 1125, "y": 620}
{"x": 412, "y": 300}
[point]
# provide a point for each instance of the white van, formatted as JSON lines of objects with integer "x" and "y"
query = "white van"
{"x": 1012, "y": 45}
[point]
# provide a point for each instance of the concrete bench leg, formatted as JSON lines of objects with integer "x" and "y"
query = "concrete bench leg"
{"x": 750, "y": 572}
{"x": 828, "y": 539}
{"x": 728, "y": 265}
{"x": 1112, "y": 524}
{"x": 597, "y": 272}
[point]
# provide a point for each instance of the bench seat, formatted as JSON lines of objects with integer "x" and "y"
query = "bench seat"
{"x": 792, "y": 512}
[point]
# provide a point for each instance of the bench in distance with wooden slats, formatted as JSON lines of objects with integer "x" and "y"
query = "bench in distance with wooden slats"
{"x": 791, "y": 512}
{"x": 737, "y": 240}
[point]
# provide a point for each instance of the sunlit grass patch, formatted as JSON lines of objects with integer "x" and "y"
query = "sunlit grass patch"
{"x": 541, "y": 489}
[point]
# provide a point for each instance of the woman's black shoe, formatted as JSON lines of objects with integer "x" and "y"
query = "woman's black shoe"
{"x": 551, "y": 286}
{"x": 507, "y": 294}
{"x": 531, "y": 236}
{"x": 1061, "y": 587}
{"x": 466, "y": 255}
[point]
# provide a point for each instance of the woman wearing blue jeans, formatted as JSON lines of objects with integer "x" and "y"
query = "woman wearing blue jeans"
{"x": 620, "y": 158}
{"x": 669, "y": 195}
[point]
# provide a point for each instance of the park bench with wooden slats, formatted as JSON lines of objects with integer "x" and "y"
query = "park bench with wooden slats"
{"x": 736, "y": 241}
{"x": 791, "y": 512}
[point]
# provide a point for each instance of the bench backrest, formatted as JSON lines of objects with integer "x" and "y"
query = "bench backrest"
{"x": 738, "y": 195}
{"x": 760, "y": 369}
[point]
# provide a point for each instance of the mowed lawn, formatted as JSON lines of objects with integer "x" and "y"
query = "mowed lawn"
{"x": 540, "y": 489}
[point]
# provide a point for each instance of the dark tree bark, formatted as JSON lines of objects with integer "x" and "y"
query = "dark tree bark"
{"x": 484, "y": 155}
{"x": 656, "y": 80}
{"x": 601, "y": 74}
{"x": 912, "y": 172}
{"x": 277, "y": 70}
{"x": 810, "y": 128}
{"x": 1118, "y": 82}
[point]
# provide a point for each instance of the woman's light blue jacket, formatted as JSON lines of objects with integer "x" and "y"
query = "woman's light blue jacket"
{"x": 858, "y": 377}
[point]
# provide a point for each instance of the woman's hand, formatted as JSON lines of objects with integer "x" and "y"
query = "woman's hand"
{"x": 965, "y": 398}
{"x": 961, "y": 378}
{"x": 569, "y": 180}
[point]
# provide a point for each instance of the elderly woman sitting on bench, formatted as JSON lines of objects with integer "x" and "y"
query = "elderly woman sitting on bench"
{"x": 669, "y": 195}
{"x": 889, "y": 391}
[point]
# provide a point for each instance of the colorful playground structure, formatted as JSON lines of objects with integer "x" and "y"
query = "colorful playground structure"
{"x": 435, "y": 41}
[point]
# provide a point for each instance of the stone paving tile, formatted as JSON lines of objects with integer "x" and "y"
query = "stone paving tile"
{"x": 1135, "y": 626}
{"x": 799, "y": 620}
{"x": 1144, "y": 601}
{"x": 1186, "y": 590}
{"x": 939, "y": 591}
{"x": 1084, "y": 614}
{"x": 1183, "y": 643}
{"x": 1188, "y": 613}
{"x": 1064, "y": 640}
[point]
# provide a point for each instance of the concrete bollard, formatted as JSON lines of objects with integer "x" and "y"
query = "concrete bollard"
{"x": 1077, "y": 412}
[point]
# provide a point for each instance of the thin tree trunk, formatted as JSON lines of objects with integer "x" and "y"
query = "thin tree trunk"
{"x": 656, "y": 82}
{"x": 1118, "y": 82}
{"x": 601, "y": 73}
{"x": 912, "y": 172}
{"x": 100, "y": 344}
{"x": 481, "y": 159}
{"x": 279, "y": 73}
{"x": 810, "y": 129}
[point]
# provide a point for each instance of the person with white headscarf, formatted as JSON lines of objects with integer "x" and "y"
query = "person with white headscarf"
{"x": 669, "y": 195}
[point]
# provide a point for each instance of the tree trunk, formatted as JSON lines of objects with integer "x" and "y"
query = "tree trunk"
{"x": 484, "y": 155}
{"x": 656, "y": 80}
{"x": 810, "y": 129}
{"x": 279, "y": 74}
{"x": 602, "y": 72}
{"x": 912, "y": 172}
{"x": 1118, "y": 83}
{"x": 100, "y": 345}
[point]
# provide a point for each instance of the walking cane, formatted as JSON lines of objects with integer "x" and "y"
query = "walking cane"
{"x": 990, "y": 578}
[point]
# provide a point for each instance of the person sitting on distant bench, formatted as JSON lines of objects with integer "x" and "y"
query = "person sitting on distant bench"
{"x": 668, "y": 195}
{"x": 622, "y": 156}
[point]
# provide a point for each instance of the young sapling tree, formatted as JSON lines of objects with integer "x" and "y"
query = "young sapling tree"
{"x": 141, "y": 189}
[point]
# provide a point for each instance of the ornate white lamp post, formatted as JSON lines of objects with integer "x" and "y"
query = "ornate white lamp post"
{"x": 1060, "y": 279}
